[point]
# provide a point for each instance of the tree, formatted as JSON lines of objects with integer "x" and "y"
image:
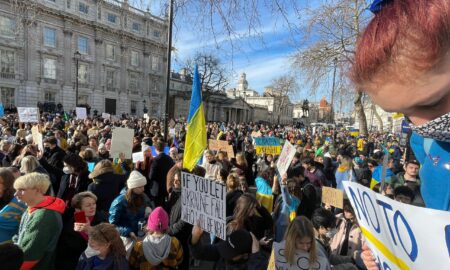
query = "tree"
{"x": 213, "y": 76}
{"x": 334, "y": 27}
{"x": 283, "y": 87}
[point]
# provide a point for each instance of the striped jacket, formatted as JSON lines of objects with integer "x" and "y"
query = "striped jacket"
{"x": 138, "y": 262}
{"x": 10, "y": 216}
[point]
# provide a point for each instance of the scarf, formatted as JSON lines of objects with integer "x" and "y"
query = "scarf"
{"x": 437, "y": 129}
{"x": 156, "y": 249}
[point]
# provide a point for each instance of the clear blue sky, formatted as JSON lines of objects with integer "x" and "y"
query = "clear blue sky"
{"x": 262, "y": 57}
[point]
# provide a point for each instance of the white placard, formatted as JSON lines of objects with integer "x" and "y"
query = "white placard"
{"x": 138, "y": 157}
{"x": 301, "y": 259}
{"x": 285, "y": 159}
{"x": 122, "y": 142}
{"x": 37, "y": 138}
{"x": 401, "y": 236}
{"x": 204, "y": 201}
{"x": 81, "y": 113}
{"x": 106, "y": 116}
{"x": 28, "y": 114}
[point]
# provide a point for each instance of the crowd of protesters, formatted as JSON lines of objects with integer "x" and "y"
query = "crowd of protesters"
{"x": 60, "y": 214}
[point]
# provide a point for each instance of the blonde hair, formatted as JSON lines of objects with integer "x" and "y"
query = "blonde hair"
{"x": 299, "y": 228}
{"x": 28, "y": 164}
{"x": 346, "y": 163}
{"x": 240, "y": 159}
{"x": 37, "y": 181}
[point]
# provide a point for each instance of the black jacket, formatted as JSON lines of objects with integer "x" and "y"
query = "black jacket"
{"x": 106, "y": 187}
{"x": 177, "y": 227}
{"x": 158, "y": 173}
{"x": 82, "y": 185}
{"x": 53, "y": 162}
{"x": 71, "y": 244}
{"x": 231, "y": 199}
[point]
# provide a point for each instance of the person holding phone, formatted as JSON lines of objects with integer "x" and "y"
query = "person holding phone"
{"x": 74, "y": 237}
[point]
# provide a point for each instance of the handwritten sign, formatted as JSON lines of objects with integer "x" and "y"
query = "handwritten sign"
{"x": 285, "y": 159}
{"x": 37, "y": 138}
{"x": 203, "y": 201}
{"x": 218, "y": 145}
{"x": 138, "y": 157}
{"x": 267, "y": 145}
{"x": 106, "y": 116}
{"x": 401, "y": 236}
{"x": 122, "y": 142}
{"x": 333, "y": 197}
{"x": 28, "y": 114}
{"x": 301, "y": 259}
{"x": 81, "y": 113}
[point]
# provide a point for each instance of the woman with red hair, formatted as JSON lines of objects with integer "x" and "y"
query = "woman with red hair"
{"x": 403, "y": 63}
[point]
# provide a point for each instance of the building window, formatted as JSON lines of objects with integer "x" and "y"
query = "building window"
{"x": 7, "y": 64}
{"x": 7, "y": 27}
{"x": 99, "y": 13}
{"x": 112, "y": 18}
{"x": 136, "y": 27}
{"x": 49, "y": 37}
{"x": 83, "y": 45}
{"x": 49, "y": 97}
{"x": 133, "y": 106}
{"x": 155, "y": 63}
{"x": 110, "y": 52}
{"x": 50, "y": 69}
{"x": 156, "y": 33}
{"x": 82, "y": 73}
{"x": 83, "y": 8}
{"x": 110, "y": 80}
{"x": 133, "y": 82}
{"x": 68, "y": 3}
{"x": 7, "y": 97}
{"x": 134, "y": 58}
{"x": 83, "y": 99}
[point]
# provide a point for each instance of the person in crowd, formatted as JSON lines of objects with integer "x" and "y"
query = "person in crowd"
{"x": 344, "y": 172}
{"x": 241, "y": 163}
{"x": 264, "y": 188}
{"x": 211, "y": 166}
{"x": 11, "y": 256}
{"x": 251, "y": 216}
{"x": 300, "y": 240}
{"x": 75, "y": 233}
{"x": 129, "y": 208}
{"x": 233, "y": 193}
{"x": 11, "y": 209}
{"x": 296, "y": 168}
{"x": 13, "y": 152}
{"x": 241, "y": 250}
{"x": 75, "y": 179}
{"x": 62, "y": 142}
{"x": 106, "y": 185}
{"x": 174, "y": 170}
{"x": 105, "y": 250}
{"x": 52, "y": 160}
{"x": 410, "y": 178}
{"x": 315, "y": 176}
{"x": 158, "y": 250}
{"x": 161, "y": 164}
{"x": 103, "y": 153}
{"x": 285, "y": 206}
{"x": 264, "y": 161}
{"x": 41, "y": 223}
{"x": 404, "y": 194}
{"x": 222, "y": 159}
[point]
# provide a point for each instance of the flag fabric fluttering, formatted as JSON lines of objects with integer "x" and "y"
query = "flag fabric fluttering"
{"x": 196, "y": 126}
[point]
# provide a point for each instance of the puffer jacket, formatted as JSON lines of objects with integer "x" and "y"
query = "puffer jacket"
{"x": 125, "y": 220}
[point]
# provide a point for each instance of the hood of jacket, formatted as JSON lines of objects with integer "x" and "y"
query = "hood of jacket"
{"x": 156, "y": 249}
{"x": 99, "y": 171}
{"x": 50, "y": 203}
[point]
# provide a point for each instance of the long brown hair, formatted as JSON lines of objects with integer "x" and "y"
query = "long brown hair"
{"x": 245, "y": 206}
{"x": 135, "y": 201}
{"x": 7, "y": 179}
{"x": 299, "y": 228}
{"x": 106, "y": 233}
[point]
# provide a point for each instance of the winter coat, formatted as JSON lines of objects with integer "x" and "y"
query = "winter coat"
{"x": 106, "y": 186}
{"x": 123, "y": 218}
{"x": 72, "y": 244}
{"x": 169, "y": 256}
{"x": 161, "y": 165}
{"x": 289, "y": 204}
{"x": 109, "y": 263}
{"x": 177, "y": 227}
{"x": 39, "y": 231}
{"x": 399, "y": 180}
{"x": 355, "y": 238}
{"x": 53, "y": 163}
{"x": 82, "y": 184}
{"x": 231, "y": 200}
{"x": 10, "y": 216}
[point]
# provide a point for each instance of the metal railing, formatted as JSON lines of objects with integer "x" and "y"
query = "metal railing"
{"x": 8, "y": 76}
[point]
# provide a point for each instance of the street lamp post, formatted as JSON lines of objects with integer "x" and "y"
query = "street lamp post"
{"x": 77, "y": 56}
{"x": 169, "y": 54}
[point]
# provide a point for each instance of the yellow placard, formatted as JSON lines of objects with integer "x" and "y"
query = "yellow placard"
{"x": 333, "y": 197}
{"x": 268, "y": 150}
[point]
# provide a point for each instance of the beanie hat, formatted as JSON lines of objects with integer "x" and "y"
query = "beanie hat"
{"x": 158, "y": 221}
{"x": 136, "y": 179}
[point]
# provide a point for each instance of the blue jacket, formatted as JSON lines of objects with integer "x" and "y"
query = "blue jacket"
{"x": 10, "y": 217}
{"x": 342, "y": 176}
{"x": 288, "y": 208}
{"x": 434, "y": 156}
{"x": 125, "y": 220}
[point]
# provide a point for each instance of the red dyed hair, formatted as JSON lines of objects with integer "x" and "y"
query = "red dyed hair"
{"x": 405, "y": 38}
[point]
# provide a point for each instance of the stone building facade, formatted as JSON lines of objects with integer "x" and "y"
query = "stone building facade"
{"x": 121, "y": 68}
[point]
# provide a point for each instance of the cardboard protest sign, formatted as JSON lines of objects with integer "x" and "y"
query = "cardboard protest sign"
{"x": 333, "y": 197}
{"x": 218, "y": 145}
{"x": 204, "y": 201}
{"x": 267, "y": 145}
{"x": 138, "y": 157}
{"x": 301, "y": 259}
{"x": 256, "y": 134}
{"x": 37, "y": 138}
{"x": 81, "y": 113}
{"x": 106, "y": 116}
{"x": 122, "y": 142}
{"x": 285, "y": 159}
{"x": 28, "y": 114}
{"x": 401, "y": 236}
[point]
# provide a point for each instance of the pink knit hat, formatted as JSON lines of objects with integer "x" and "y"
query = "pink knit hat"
{"x": 158, "y": 221}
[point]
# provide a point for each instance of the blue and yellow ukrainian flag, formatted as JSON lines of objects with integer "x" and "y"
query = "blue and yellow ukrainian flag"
{"x": 196, "y": 127}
